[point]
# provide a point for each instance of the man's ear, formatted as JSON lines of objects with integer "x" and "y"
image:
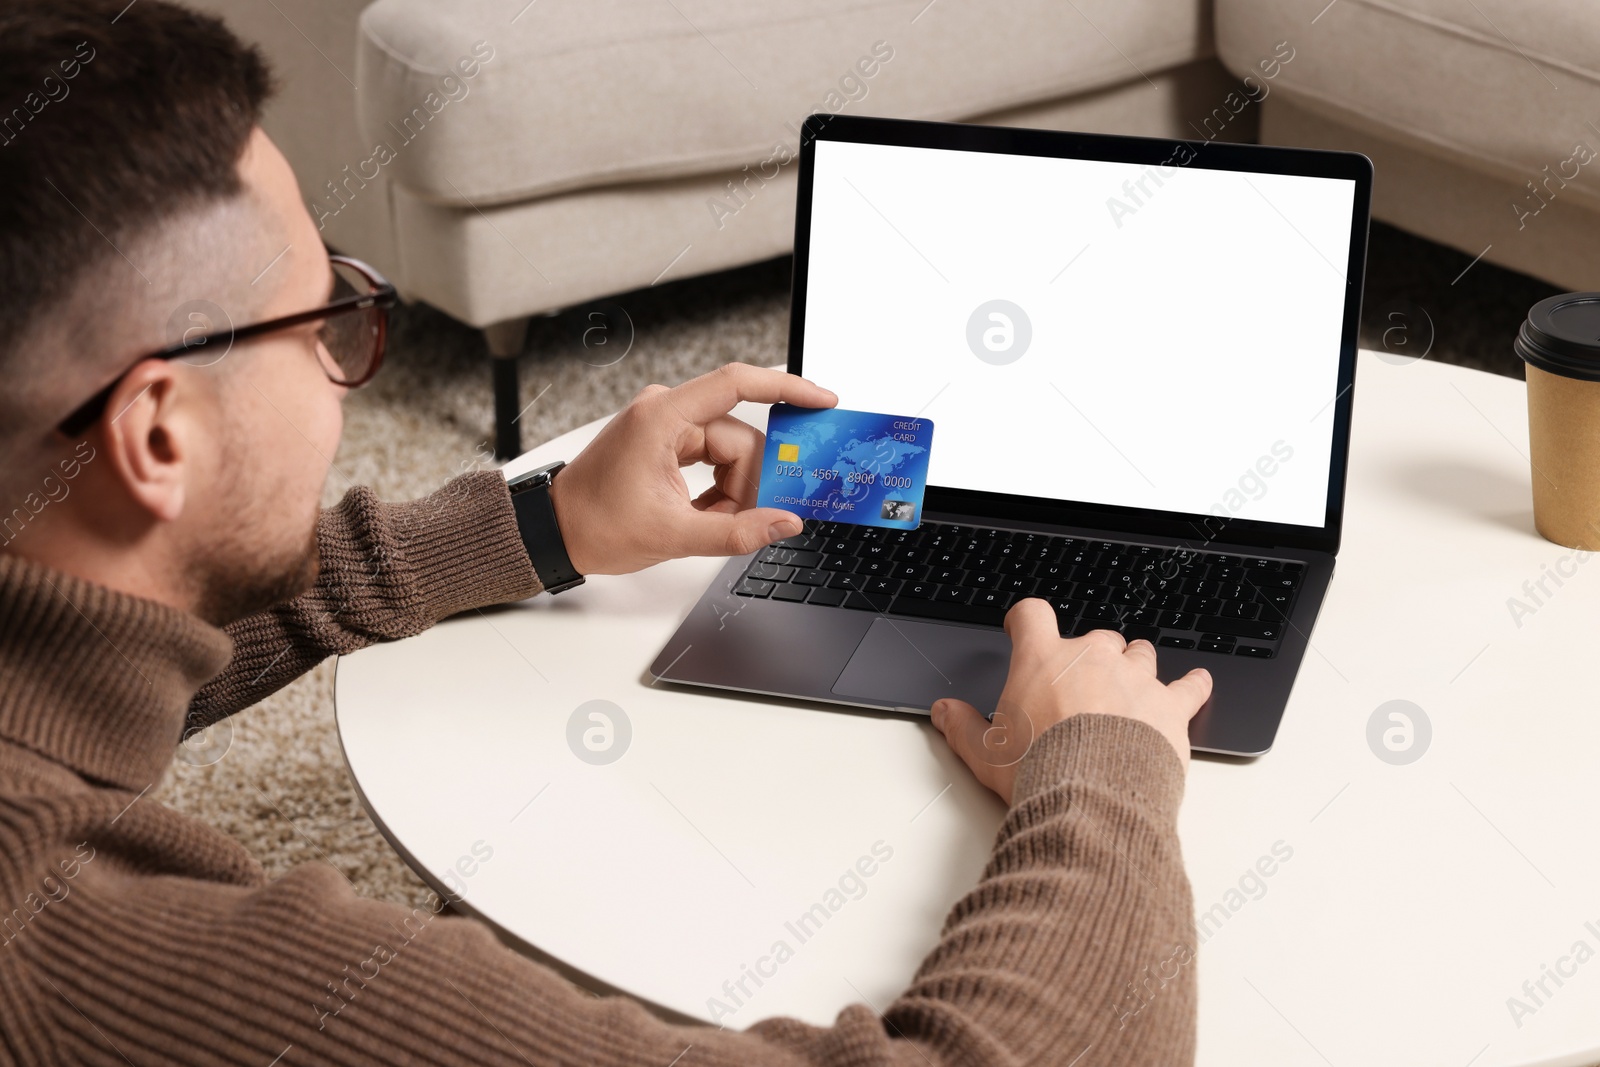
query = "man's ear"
{"x": 150, "y": 437}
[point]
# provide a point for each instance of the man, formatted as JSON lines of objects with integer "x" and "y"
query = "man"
{"x": 164, "y": 562}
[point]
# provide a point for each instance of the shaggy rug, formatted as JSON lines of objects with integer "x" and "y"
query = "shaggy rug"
{"x": 272, "y": 776}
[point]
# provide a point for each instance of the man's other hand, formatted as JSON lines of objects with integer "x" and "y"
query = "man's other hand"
{"x": 1053, "y": 678}
{"x": 622, "y": 503}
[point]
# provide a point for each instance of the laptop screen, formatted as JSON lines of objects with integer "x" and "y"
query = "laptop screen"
{"x": 1148, "y": 336}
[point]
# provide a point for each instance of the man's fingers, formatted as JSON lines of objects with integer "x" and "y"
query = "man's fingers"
{"x": 704, "y": 398}
{"x": 1195, "y": 688}
{"x": 962, "y": 726}
{"x": 1031, "y": 625}
{"x": 984, "y": 744}
{"x": 737, "y": 445}
{"x": 720, "y": 533}
{"x": 1143, "y": 653}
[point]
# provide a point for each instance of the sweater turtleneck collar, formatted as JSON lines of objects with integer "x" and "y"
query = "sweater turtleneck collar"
{"x": 97, "y": 680}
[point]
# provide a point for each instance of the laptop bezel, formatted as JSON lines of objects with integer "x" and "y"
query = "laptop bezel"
{"x": 1213, "y": 155}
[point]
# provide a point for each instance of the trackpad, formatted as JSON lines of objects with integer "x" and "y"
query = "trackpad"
{"x": 912, "y": 664}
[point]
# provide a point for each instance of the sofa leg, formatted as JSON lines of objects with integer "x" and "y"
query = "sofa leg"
{"x": 505, "y": 341}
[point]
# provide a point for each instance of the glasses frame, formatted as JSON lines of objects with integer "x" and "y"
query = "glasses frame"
{"x": 383, "y": 297}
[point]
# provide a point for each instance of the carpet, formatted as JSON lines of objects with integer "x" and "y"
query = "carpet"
{"x": 272, "y": 776}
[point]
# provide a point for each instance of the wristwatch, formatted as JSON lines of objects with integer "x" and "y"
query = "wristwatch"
{"x": 541, "y": 536}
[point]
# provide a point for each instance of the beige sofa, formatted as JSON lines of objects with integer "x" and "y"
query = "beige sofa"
{"x": 1481, "y": 117}
{"x": 502, "y": 158}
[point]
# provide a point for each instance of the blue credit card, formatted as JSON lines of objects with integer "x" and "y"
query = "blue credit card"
{"x": 846, "y": 466}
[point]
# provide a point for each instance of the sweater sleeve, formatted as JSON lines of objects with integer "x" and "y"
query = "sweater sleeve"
{"x": 387, "y": 571}
{"x": 1074, "y": 948}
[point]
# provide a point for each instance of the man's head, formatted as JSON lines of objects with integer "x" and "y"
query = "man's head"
{"x": 139, "y": 199}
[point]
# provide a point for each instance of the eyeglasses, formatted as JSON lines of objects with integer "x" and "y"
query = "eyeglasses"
{"x": 350, "y": 341}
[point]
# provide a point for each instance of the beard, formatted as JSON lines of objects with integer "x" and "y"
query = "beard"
{"x": 236, "y": 580}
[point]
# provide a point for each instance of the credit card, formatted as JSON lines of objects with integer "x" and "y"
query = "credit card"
{"x": 846, "y": 466}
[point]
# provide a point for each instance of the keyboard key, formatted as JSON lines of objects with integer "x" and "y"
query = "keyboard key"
{"x": 953, "y": 594}
{"x": 1066, "y": 608}
{"x": 889, "y": 586}
{"x": 1044, "y": 550}
{"x": 1018, "y": 584}
{"x": 1133, "y": 632}
{"x": 770, "y": 572}
{"x": 1201, "y": 605}
{"x": 982, "y": 614}
{"x": 788, "y": 557}
{"x": 1101, "y": 613}
{"x": 1254, "y": 651}
{"x": 752, "y": 587}
{"x": 812, "y": 577}
{"x": 1240, "y": 609}
{"x": 947, "y": 575}
{"x": 993, "y": 598}
{"x": 981, "y": 580}
{"x": 800, "y": 540}
{"x": 830, "y": 597}
{"x": 1177, "y": 620}
{"x": 919, "y": 590}
{"x": 1176, "y": 642}
{"x": 874, "y": 568}
{"x": 1095, "y": 593}
{"x": 1280, "y": 582}
{"x": 790, "y": 591}
{"x": 1050, "y": 589}
{"x": 846, "y": 580}
{"x": 836, "y": 562}
{"x": 909, "y": 571}
{"x": 1262, "y": 630}
{"x": 1144, "y": 617}
{"x": 1216, "y": 644}
{"x": 1276, "y": 606}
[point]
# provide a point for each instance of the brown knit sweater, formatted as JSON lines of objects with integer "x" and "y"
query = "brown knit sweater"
{"x": 132, "y": 934}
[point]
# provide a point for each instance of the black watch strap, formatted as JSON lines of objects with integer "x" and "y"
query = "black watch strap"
{"x": 541, "y": 535}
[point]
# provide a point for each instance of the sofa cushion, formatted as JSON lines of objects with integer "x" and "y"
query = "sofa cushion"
{"x": 477, "y": 102}
{"x": 1509, "y": 87}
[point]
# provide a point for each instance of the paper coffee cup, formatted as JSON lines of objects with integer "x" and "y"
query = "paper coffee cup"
{"x": 1560, "y": 342}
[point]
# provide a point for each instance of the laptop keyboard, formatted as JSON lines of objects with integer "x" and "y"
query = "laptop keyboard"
{"x": 1173, "y": 597}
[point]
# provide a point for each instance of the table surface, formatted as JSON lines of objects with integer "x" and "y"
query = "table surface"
{"x": 1405, "y": 906}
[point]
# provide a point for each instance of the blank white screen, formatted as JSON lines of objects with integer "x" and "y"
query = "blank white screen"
{"x": 1185, "y": 344}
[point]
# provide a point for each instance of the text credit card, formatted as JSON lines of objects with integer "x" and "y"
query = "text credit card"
{"x": 846, "y": 466}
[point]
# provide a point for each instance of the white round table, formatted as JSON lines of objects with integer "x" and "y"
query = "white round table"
{"x": 1352, "y": 911}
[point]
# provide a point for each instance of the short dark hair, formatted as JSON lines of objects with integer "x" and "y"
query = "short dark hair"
{"x": 114, "y": 117}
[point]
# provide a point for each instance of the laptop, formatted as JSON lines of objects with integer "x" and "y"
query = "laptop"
{"x": 1138, "y": 357}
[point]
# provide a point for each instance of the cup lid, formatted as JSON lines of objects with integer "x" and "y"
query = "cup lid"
{"x": 1562, "y": 336}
